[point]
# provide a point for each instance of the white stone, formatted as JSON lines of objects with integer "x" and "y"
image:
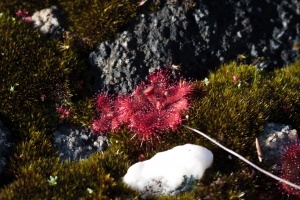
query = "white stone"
{"x": 169, "y": 172}
{"x": 45, "y": 19}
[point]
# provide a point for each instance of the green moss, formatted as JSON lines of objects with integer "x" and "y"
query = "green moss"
{"x": 96, "y": 21}
{"x": 219, "y": 188}
{"x": 91, "y": 20}
{"x": 38, "y": 74}
{"x": 233, "y": 112}
{"x": 35, "y": 75}
{"x": 286, "y": 100}
{"x": 83, "y": 112}
{"x": 35, "y": 160}
{"x": 73, "y": 181}
{"x": 12, "y": 6}
{"x": 233, "y": 108}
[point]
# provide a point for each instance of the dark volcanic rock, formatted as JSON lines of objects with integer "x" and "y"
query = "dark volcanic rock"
{"x": 75, "y": 143}
{"x": 274, "y": 140}
{"x": 266, "y": 33}
{"x": 5, "y": 145}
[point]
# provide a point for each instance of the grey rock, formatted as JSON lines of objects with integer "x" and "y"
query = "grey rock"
{"x": 274, "y": 139}
{"x": 50, "y": 21}
{"x": 198, "y": 39}
{"x": 75, "y": 143}
{"x": 5, "y": 145}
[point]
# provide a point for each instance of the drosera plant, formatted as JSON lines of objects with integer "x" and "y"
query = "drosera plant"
{"x": 31, "y": 6}
{"x": 24, "y": 15}
{"x": 250, "y": 81}
{"x": 103, "y": 172}
{"x": 35, "y": 165}
{"x": 91, "y": 21}
{"x": 240, "y": 100}
{"x": 284, "y": 85}
{"x": 36, "y": 75}
{"x": 290, "y": 169}
{"x": 235, "y": 103}
{"x": 154, "y": 106}
{"x": 290, "y": 155}
{"x": 35, "y": 159}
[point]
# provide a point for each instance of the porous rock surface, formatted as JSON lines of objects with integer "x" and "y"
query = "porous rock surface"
{"x": 274, "y": 140}
{"x": 264, "y": 33}
{"x": 50, "y": 21}
{"x": 75, "y": 143}
{"x": 5, "y": 145}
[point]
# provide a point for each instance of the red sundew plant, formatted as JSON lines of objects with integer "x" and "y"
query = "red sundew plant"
{"x": 235, "y": 79}
{"x": 24, "y": 15}
{"x": 105, "y": 107}
{"x": 63, "y": 111}
{"x": 154, "y": 106}
{"x": 290, "y": 169}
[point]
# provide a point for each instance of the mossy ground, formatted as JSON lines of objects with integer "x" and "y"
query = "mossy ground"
{"x": 232, "y": 106}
